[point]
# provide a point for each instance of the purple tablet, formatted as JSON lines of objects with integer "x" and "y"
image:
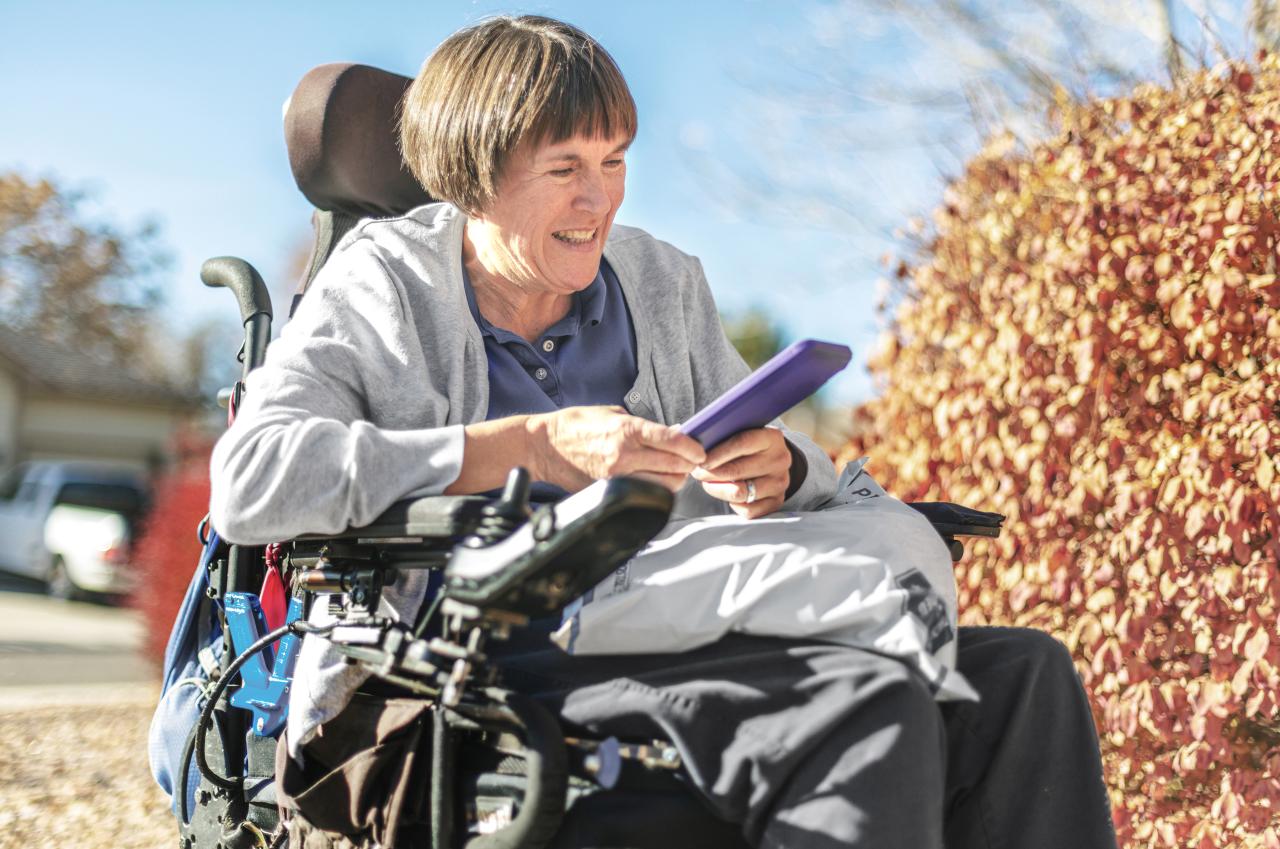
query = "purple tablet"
{"x": 791, "y": 376}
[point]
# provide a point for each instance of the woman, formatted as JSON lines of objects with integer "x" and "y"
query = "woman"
{"x": 514, "y": 324}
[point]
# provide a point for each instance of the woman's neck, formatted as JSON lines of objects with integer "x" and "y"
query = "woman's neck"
{"x": 506, "y": 303}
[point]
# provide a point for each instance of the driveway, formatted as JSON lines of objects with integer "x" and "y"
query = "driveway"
{"x": 54, "y": 651}
{"x": 75, "y": 702}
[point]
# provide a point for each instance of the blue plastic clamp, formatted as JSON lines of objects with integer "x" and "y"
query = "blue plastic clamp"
{"x": 263, "y": 693}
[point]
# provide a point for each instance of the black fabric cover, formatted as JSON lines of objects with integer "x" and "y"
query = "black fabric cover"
{"x": 340, "y": 130}
{"x": 329, "y": 228}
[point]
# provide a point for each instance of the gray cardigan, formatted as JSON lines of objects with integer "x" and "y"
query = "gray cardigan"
{"x": 363, "y": 398}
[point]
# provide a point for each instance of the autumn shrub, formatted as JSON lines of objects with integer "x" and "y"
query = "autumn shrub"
{"x": 167, "y": 549}
{"x": 1087, "y": 339}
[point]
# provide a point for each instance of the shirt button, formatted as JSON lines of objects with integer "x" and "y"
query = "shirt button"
{"x": 541, "y": 374}
{"x": 548, "y": 345}
{"x": 633, "y": 397}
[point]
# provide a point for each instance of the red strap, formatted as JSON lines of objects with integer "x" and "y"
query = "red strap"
{"x": 274, "y": 600}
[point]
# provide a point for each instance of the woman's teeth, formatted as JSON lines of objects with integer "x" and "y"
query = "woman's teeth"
{"x": 575, "y": 237}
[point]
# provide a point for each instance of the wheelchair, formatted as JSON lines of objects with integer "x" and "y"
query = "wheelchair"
{"x": 475, "y": 763}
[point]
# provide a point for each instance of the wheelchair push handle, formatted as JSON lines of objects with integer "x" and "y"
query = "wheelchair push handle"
{"x": 243, "y": 279}
{"x": 251, "y": 293}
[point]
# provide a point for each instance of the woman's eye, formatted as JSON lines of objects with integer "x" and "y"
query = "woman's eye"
{"x": 613, "y": 164}
{"x": 561, "y": 172}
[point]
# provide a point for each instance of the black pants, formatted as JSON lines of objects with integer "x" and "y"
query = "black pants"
{"x": 814, "y": 745}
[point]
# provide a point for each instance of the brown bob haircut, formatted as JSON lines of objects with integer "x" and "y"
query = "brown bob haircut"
{"x": 502, "y": 83}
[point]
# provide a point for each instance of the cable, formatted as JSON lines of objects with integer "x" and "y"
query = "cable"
{"x": 206, "y": 714}
{"x": 425, "y": 621}
{"x": 184, "y": 777}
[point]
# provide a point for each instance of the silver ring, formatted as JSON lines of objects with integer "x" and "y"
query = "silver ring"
{"x": 751, "y": 491}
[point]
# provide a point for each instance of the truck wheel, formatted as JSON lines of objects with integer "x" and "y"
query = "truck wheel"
{"x": 59, "y": 584}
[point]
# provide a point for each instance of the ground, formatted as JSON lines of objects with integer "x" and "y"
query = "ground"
{"x": 76, "y": 776}
{"x": 75, "y": 702}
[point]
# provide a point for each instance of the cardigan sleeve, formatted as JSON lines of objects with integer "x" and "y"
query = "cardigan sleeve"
{"x": 302, "y": 455}
{"x": 717, "y": 366}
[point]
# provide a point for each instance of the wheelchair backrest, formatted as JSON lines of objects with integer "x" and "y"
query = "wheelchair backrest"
{"x": 340, "y": 127}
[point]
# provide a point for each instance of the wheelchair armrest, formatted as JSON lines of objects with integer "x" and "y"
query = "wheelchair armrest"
{"x": 435, "y": 517}
{"x": 954, "y": 520}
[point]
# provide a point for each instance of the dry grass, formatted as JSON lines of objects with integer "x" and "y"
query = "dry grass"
{"x": 77, "y": 776}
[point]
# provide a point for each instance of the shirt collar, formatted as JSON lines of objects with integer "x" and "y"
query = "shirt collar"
{"x": 593, "y": 298}
{"x": 586, "y": 308}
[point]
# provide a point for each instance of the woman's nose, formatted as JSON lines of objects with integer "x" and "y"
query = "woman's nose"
{"x": 592, "y": 194}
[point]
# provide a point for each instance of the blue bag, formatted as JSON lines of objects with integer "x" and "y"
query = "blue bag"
{"x": 194, "y": 650}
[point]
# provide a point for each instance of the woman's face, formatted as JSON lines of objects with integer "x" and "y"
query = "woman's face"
{"x": 545, "y": 231}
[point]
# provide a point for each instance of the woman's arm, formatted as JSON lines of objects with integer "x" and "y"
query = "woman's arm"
{"x": 573, "y": 447}
{"x": 305, "y": 455}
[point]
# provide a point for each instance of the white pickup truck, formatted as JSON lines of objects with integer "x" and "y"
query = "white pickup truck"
{"x": 70, "y": 525}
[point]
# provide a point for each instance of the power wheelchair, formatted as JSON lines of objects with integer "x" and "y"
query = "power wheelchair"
{"x": 477, "y": 764}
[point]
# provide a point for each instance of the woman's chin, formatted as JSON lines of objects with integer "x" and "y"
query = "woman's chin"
{"x": 582, "y": 281}
{"x": 578, "y": 268}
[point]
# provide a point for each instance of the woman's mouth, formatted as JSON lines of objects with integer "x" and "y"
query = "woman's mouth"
{"x": 575, "y": 237}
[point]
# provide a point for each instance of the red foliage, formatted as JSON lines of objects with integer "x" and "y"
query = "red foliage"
{"x": 167, "y": 550}
{"x": 1090, "y": 343}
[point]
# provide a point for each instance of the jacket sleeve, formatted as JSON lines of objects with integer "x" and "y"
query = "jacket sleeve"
{"x": 717, "y": 366}
{"x": 302, "y": 455}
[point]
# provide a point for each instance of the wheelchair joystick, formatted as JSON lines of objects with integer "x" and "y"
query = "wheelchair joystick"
{"x": 501, "y": 518}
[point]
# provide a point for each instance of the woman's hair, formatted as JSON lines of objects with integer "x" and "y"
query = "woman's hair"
{"x": 501, "y": 83}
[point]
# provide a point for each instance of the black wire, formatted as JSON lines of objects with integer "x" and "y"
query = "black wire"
{"x": 206, "y": 715}
{"x": 184, "y": 777}
{"x": 421, "y": 627}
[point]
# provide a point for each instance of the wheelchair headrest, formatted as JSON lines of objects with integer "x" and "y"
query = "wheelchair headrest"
{"x": 340, "y": 130}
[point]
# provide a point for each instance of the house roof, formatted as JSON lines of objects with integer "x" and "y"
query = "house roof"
{"x": 42, "y": 365}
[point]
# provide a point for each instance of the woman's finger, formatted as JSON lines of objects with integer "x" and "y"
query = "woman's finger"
{"x": 636, "y": 459}
{"x": 751, "y": 466}
{"x": 756, "y": 509}
{"x": 739, "y": 445}
{"x": 749, "y": 454}
{"x": 668, "y": 438}
{"x": 739, "y": 491}
{"x": 671, "y": 482}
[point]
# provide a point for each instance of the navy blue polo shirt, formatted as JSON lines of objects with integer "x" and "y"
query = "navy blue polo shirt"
{"x": 588, "y": 357}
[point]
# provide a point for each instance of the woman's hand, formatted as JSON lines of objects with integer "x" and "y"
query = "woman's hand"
{"x": 750, "y": 470}
{"x": 577, "y": 445}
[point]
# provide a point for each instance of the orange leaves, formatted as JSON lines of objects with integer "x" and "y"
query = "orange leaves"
{"x": 1266, "y": 473}
{"x": 1235, "y": 208}
{"x": 1195, "y": 521}
{"x": 1092, "y": 346}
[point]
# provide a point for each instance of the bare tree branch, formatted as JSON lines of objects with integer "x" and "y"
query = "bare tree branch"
{"x": 841, "y": 115}
{"x": 1264, "y": 24}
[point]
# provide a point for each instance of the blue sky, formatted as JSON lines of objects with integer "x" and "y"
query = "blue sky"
{"x": 171, "y": 112}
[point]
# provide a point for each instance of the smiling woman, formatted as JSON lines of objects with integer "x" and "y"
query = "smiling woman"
{"x": 512, "y": 323}
{"x": 587, "y": 345}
